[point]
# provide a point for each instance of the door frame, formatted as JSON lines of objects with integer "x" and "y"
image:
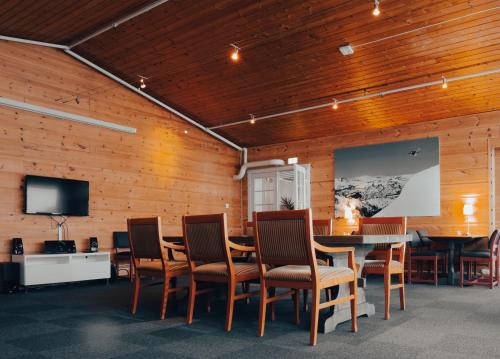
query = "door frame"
{"x": 493, "y": 144}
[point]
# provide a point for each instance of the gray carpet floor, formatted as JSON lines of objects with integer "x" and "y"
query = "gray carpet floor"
{"x": 93, "y": 321}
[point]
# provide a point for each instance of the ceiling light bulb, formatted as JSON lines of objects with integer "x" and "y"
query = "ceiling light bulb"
{"x": 335, "y": 104}
{"x": 186, "y": 132}
{"x": 252, "y": 119}
{"x": 143, "y": 85}
{"x": 376, "y": 9}
{"x": 445, "y": 83}
{"x": 235, "y": 54}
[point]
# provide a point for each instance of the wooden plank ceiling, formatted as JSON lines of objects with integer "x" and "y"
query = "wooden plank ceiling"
{"x": 289, "y": 58}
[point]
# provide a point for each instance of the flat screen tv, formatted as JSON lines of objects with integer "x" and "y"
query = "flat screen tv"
{"x": 56, "y": 196}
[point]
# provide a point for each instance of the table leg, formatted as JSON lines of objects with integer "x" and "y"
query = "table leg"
{"x": 451, "y": 262}
{"x": 342, "y": 312}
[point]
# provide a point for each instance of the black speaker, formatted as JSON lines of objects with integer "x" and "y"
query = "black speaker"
{"x": 17, "y": 246}
{"x": 93, "y": 245}
{"x": 9, "y": 277}
{"x": 55, "y": 247}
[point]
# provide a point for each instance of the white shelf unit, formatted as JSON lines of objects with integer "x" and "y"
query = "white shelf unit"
{"x": 268, "y": 186}
{"x": 38, "y": 269}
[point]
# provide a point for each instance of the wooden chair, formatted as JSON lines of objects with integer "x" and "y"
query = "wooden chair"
{"x": 123, "y": 256}
{"x": 285, "y": 239}
{"x": 206, "y": 240}
{"x": 420, "y": 252}
{"x": 387, "y": 266}
{"x": 490, "y": 257}
{"x": 149, "y": 258}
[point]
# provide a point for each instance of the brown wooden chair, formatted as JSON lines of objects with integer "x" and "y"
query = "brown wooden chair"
{"x": 385, "y": 263}
{"x": 418, "y": 253}
{"x": 490, "y": 257}
{"x": 206, "y": 241}
{"x": 285, "y": 239}
{"x": 149, "y": 258}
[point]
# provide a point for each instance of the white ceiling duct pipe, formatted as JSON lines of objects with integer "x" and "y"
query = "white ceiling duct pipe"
{"x": 247, "y": 165}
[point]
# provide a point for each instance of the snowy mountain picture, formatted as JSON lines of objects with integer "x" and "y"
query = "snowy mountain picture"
{"x": 389, "y": 180}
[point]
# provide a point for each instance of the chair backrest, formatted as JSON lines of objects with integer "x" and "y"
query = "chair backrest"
{"x": 205, "y": 238}
{"x": 145, "y": 238}
{"x": 322, "y": 227}
{"x": 493, "y": 242}
{"x": 415, "y": 238}
{"x": 382, "y": 225}
{"x": 284, "y": 237}
{"x": 120, "y": 240}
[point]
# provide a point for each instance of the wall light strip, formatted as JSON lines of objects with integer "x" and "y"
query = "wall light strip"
{"x": 364, "y": 97}
{"x": 64, "y": 115}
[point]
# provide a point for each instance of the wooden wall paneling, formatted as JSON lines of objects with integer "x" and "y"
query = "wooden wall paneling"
{"x": 463, "y": 158}
{"x": 158, "y": 171}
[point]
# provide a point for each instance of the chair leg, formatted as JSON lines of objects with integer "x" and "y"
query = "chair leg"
{"x": 296, "y": 302}
{"x": 191, "y": 300}
{"x": 353, "y": 290}
{"x": 272, "y": 293}
{"x": 435, "y": 271}
{"x": 306, "y": 295}
{"x": 490, "y": 267}
{"x": 231, "y": 288}
{"x": 387, "y": 291}
{"x": 262, "y": 309}
{"x": 497, "y": 271}
{"x": 314, "y": 316}
{"x": 402, "y": 301}
{"x": 164, "y": 297}
{"x": 137, "y": 286}
{"x": 461, "y": 273}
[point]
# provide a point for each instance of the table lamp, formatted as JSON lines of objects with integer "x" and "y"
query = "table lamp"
{"x": 468, "y": 211}
{"x": 348, "y": 215}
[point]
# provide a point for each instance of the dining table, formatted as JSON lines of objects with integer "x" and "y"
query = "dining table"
{"x": 454, "y": 243}
{"x": 363, "y": 244}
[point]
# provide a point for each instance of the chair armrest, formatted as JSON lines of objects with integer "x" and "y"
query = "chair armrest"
{"x": 397, "y": 245}
{"x": 173, "y": 246}
{"x": 326, "y": 249}
{"x": 241, "y": 248}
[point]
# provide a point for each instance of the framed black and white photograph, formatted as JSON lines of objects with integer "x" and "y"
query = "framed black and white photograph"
{"x": 388, "y": 180}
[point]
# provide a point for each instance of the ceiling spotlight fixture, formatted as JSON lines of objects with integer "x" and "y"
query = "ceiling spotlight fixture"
{"x": 142, "y": 83}
{"x": 445, "y": 82}
{"x": 186, "y": 131}
{"x": 346, "y": 50}
{"x": 252, "y": 119}
{"x": 335, "y": 104}
{"x": 235, "y": 54}
{"x": 376, "y": 8}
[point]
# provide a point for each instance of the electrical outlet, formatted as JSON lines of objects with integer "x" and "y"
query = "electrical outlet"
{"x": 227, "y": 205}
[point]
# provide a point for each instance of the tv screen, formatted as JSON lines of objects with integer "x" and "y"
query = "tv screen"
{"x": 56, "y": 196}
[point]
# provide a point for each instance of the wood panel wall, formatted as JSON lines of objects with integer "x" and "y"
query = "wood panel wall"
{"x": 497, "y": 187}
{"x": 158, "y": 171}
{"x": 463, "y": 158}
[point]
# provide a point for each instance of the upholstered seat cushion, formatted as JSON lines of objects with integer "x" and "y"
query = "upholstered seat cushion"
{"x": 379, "y": 264}
{"x": 476, "y": 254}
{"x": 296, "y": 273}
{"x": 157, "y": 267}
{"x": 220, "y": 269}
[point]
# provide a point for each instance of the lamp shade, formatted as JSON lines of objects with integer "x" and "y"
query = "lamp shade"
{"x": 468, "y": 210}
